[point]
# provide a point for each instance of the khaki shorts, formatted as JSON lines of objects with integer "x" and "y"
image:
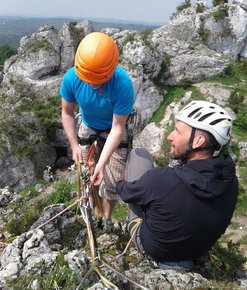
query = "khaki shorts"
{"x": 115, "y": 166}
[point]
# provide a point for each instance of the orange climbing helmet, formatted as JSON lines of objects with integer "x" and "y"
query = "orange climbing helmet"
{"x": 96, "y": 58}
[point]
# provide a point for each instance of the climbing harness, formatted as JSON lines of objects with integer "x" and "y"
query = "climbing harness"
{"x": 130, "y": 125}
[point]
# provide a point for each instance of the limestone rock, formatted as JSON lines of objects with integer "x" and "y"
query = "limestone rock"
{"x": 23, "y": 156}
{"x": 25, "y": 255}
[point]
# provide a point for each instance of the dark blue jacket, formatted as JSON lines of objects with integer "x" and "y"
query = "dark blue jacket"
{"x": 186, "y": 208}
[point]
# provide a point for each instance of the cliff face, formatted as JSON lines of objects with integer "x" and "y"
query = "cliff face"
{"x": 197, "y": 43}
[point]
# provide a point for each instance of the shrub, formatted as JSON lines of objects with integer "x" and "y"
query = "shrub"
{"x": 144, "y": 36}
{"x": 6, "y": 51}
{"x": 199, "y": 7}
{"x": 40, "y": 44}
{"x": 22, "y": 151}
{"x": 244, "y": 65}
{"x": 184, "y": 5}
{"x": 241, "y": 120}
{"x": 29, "y": 213}
{"x": 236, "y": 101}
{"x": 23, "y": 222}
{"x": 129, "y": 38}
{"x": 78, "y": 32}
{"x": 226, "y": 32}
{"x": 227, "y": 261}
{"x": 202, "y": 31}
{"x": 185, "y": 83}
{"x": 163, "y": 73}
{"x": 221, "y": 13}
{"x": 229, "y": 70}
{"x": 219, "y": 2}
{"x": 62, "y": 193}
{"x": 47, "y": 111}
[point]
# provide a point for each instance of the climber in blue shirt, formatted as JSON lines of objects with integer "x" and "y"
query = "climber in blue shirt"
{"x": 105, "y": 95}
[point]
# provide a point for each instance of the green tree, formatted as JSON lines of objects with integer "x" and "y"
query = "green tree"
{"x": 218, "y": 2}
{"x": 6, "y": 51}
{"x": 241, "y": 120}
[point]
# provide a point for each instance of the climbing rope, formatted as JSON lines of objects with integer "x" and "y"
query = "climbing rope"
{"x": 87, "y": 198}
{"x": 85, "y": 205}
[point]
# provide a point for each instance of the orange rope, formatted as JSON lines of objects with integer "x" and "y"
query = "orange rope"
{"x": 91, "y": 152}
{"x": 94, "y": 190}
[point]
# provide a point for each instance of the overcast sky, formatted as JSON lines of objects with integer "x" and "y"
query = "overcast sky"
{"x": 142, "y": 11}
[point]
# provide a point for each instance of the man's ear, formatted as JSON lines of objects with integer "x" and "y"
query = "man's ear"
{"x": 199, "y": 140}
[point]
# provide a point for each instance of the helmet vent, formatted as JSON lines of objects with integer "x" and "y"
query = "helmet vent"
{"x": 193, "y": 112}
{"x": 217, "y": 121}
{"x": 205, "y": 116}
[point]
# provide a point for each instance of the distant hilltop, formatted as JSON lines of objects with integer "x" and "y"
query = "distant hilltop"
{"x": 12, "y": 29}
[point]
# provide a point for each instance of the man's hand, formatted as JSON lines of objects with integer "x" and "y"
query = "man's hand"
{"x": 77, "y": 154}
{"x": 98, "y": 175}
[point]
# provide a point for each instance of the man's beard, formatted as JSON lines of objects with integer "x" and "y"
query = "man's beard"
{"x": 181, "y": 157}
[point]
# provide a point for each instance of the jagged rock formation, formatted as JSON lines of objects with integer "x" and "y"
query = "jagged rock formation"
{"x": 196, "y": 42}
{"x": 39, "y": 248}
{"x": 36, "y": 251}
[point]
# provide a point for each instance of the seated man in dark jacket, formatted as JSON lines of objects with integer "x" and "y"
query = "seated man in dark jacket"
{"x": 185, "y": 209}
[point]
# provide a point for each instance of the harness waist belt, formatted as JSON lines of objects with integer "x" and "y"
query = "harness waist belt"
{"x": 96, "y": 137}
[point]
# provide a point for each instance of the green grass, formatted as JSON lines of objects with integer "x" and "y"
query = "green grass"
{"x": 27, "y": 215}
{"x": 60, "y": 276}
{"x": 241, "y": 208}
{"x": 40, "y": 44}
{"x": 226, "y": 262}
{"x": 120, "y": 212}
{"x": 235, "y": 74}
{"x": 30, "y": 191}
{"x": 243, "y": 240}
{"x": 30, "y": 212}
{"x": 172, "y": 94}
{"x": 22, "y": 151}
{"x": 47, "y": 111}
{"x": 234, "y": 225}
{"x": 6, "y": 51}
{"x": 62, "y": 192}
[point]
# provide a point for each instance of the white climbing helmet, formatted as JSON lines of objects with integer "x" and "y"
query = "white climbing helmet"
{"x": 209, "y": 117}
